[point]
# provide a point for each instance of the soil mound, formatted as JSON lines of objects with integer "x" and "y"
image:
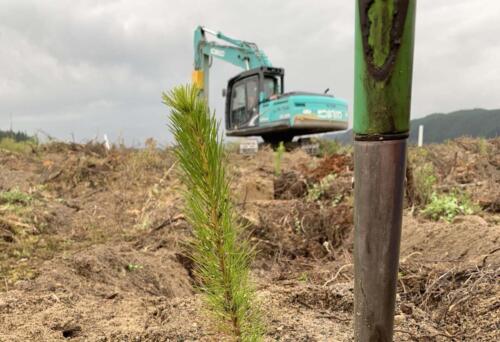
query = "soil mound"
{"x": 468, "y": 240}
{"x": 296, "y": 229}
{"x": 110, "y": 271}
{"x": 336, "y": 163}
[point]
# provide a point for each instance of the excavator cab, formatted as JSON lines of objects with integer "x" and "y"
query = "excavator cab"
{"x": 246, "y": 92}
{"x": 256, "y": 105}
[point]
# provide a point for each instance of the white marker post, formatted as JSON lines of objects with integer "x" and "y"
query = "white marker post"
{"x": 420, "y": 135}
{"x": 106, "y": 142}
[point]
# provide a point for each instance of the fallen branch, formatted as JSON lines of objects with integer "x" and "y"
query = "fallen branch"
{"x": 336, "y": 274}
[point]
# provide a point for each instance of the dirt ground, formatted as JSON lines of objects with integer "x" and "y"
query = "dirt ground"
{"x": 93, "y": 247}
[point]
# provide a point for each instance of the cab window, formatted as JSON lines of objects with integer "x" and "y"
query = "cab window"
{"x": 238, "y": 100}
{"x": 238, "y": 103}
{"x": 252, "y": 94}
{"x": 270, "y": 87}
{"x": 244, "y": 101}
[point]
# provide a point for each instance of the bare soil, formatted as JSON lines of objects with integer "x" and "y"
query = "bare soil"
{"x": 96, "y": 252}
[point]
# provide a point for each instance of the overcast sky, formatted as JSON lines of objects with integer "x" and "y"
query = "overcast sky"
{"x": 87, "y": 67}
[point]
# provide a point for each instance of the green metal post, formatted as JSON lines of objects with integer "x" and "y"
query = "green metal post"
{"x": 383, "y": 76}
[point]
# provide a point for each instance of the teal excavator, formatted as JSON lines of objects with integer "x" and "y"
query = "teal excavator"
{"x": 256, "y": 102}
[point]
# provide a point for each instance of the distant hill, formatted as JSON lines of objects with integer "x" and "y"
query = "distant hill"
{"x": 439, "y": 127}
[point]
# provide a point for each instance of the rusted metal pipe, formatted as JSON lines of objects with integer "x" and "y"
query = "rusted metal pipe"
{"x": 379, "y": 176}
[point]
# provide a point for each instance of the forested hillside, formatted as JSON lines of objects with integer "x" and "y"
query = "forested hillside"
{"x": 439, "y": 127}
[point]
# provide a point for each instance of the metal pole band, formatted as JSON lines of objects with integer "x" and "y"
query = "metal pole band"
{"x": 379, "y": 179}
{"x": 380, "y": 137}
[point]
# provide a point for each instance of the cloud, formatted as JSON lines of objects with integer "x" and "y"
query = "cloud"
{"x": 455, "y": 56}
{"x": 94, "y": 67}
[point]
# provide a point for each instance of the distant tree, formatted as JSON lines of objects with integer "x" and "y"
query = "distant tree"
{"x": 16, "y": 136}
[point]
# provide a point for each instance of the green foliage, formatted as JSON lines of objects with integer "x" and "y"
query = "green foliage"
{"x": 482, "y": 147}
{"x": 447, "y": 206}
{"x": 278, "y": 156}
{"x": 337, "y": 199}
{"x": 14, "y": 197}
{"x": 133, "y": 267}
{"x": 18, "y": 142}
{"x": 303, "y": 277}
{"x": 318, "y": 189}
{"x": 221, "y": 259}
{"x": 23, "y": 146}
{"x": 424, "y": 178}
{"x": 328, "y": 147}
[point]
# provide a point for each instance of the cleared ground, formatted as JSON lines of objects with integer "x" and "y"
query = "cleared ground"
{"x": 92, "y": 245}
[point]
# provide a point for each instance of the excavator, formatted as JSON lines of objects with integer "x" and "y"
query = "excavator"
{"x": 256, "y": 102}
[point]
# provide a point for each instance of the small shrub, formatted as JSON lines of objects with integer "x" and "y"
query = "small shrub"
{"x": 303, "y": 277}
{"x": 447, "y": 206}
{"x": 25, "y": 146}
{"x": 318, "y": 189}
{"x": 337, "y": 199}
{"x": 328, "y": 147}
{"x": 133, "y": 267}
{"x": 278, "y": 156}
{"x": 15, "y": 196}
{"x": 482, "y": 146}
{"x": 424, "y": 178}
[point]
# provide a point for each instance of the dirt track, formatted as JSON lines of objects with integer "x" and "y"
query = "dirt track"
{"x": 95, "y": 252}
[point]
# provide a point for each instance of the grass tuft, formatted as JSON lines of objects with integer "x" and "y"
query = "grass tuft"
{"x": 15, "y": 196}
{"x": 278, "y": 156}
{"x": 221, "y": 258}
{"x": 447, "y": 206}
{"x": 23, "y": 147}
{"x": 316, "y": 191}
{"x": 425, "y": 180}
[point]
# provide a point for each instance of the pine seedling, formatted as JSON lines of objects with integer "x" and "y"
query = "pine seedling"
{"x": 278, "y": 156}
{"x": 221, "y": 258}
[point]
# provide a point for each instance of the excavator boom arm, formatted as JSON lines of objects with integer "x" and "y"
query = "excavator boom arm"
{"x": 245, "y": 55}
